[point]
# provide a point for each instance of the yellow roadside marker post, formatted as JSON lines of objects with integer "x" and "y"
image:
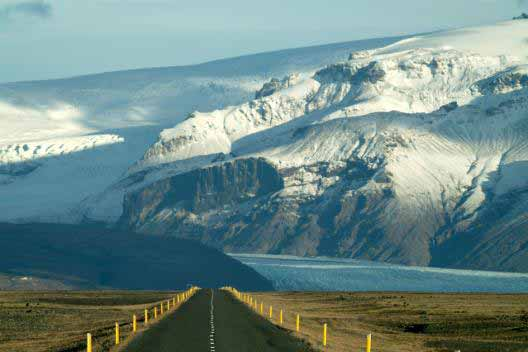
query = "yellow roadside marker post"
{"x": 155, "y": 312}
{"x": 168, "y": 306}
{"x": 134, "y": 323}
{"x": 369, "y": 342}
{"x": 324, "y": 335}
{"x": 88, "y": 342}
{"x": 280, "y": 317}
{"x": 261, "y": 308}
{"x": 161, "y": 309}
{"x": 117, "y": 333}
{"x": 298, "y": 323}
{"x": 173, "y": 302}
{"x": 146, "y": 316}
{"x": 178, "y": 297}
{"x": 271, "y": 312}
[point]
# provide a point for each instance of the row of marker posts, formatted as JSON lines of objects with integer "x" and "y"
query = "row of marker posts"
{"x": 163, "y": 307}
{"x": 250, "y": 301}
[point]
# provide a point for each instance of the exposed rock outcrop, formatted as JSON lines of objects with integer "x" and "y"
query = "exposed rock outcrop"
{"x": 274, "y": 85}
{"x": 200, "y": 191}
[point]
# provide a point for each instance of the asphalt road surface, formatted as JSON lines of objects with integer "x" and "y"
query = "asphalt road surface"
{"x": 214, "y": 321}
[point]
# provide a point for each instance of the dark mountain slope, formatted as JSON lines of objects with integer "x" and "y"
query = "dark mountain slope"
{"x": 87, "y": 256}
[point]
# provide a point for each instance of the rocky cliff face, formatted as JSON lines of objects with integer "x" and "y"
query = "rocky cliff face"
{"x": 200, "y": 195}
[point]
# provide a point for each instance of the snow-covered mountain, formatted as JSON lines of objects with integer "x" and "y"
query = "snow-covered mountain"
{"x": 412, "y": 151}
{"x": 62, "y": 141}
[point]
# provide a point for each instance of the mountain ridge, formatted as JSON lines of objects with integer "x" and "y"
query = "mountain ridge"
{"x": 360, "y": 142}
{"x": 404, "y": 152}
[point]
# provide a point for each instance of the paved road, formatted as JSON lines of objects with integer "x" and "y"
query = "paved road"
{"x": 215, "y": 321}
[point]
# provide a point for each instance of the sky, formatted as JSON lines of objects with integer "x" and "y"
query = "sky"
{"x": 44, "y": 39}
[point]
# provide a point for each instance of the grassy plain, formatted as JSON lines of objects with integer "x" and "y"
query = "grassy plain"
{"x": 405, "y": 322}
{"x": 58, "y": 321}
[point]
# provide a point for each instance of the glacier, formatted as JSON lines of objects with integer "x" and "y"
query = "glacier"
{"x": 289, "y": 273}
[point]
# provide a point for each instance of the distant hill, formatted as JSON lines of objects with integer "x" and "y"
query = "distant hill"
{"x": 90, "y": 257}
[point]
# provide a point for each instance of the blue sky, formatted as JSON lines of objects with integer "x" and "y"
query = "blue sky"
{"x": 41, "y": 39}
